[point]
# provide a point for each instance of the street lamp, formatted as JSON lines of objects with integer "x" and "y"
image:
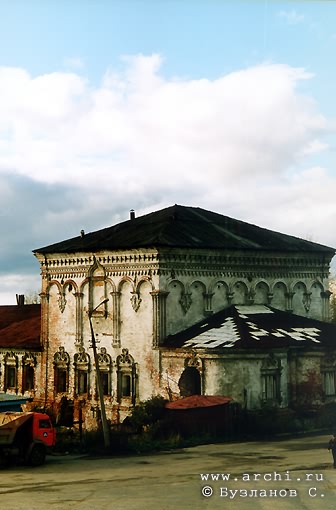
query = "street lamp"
{"x": 106, "y": 431}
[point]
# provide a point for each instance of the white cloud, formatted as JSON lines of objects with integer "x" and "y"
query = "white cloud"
{"x": 13, "y": 284}
{"x": 136, "y": 126}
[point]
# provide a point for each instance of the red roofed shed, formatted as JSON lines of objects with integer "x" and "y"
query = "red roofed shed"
{"x": 199, "y": 414}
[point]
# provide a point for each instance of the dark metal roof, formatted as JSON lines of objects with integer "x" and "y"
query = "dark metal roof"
{"x": 255, "y": 327}
{"x": 11, "y": 403}
{"x": 185, "y": 227}
{"x": 20, "y": 326}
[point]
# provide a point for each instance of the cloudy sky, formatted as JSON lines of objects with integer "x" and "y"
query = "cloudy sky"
{"x": 112, "y": 105}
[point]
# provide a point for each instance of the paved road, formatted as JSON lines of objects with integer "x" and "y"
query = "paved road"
{"x": 286, "y": 475}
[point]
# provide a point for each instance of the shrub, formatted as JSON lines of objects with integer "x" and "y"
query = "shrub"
{"x": 147, "y": 413}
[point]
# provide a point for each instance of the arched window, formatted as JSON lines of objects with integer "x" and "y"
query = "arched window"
{"x": 61, "y": 370}
{"x": 82, "y": 364}
{"x": 126, "y": 376}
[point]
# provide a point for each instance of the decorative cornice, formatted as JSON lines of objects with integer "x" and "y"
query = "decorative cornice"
{"x": 188, "y": 263}
{"x": 20, "y": 351}
{"x": 57, "y": 274}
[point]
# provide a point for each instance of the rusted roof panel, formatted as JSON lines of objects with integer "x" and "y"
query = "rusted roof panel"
{"x": 20, "y": 326}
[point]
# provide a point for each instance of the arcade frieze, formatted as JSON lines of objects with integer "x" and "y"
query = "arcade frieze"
{"x": 172, "y": 261}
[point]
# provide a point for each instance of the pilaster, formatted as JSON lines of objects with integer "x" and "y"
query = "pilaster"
{"x": 79, "y": 319}
{"x": 208, "y": 303}
{"x": 159, "y": 317}
{"x": 44, "y": 317}
{"x": 115, "y": 318}
{"x": 289, "y": 301}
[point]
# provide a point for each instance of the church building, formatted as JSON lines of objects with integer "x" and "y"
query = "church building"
{"x": 183, "y": 301}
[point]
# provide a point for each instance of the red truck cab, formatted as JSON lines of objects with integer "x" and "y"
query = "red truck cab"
{"x": 43, "y": 431}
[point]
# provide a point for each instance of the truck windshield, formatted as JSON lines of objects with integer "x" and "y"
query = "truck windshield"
{"x": 44, "y": 424}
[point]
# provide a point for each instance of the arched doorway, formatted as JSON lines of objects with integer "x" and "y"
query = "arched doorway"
{"x": 190, "y": 382}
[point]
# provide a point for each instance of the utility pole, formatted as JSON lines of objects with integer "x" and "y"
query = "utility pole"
{"x": 106, "y": 431}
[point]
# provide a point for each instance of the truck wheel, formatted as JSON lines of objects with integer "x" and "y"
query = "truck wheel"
{"x": 37, "y": 455}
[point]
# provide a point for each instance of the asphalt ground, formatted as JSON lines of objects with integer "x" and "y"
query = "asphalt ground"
{"x": 294, "y": 473}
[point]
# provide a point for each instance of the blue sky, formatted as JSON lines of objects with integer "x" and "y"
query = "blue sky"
{"x": 112, "y": 105}
{"x": 197, "y": 38}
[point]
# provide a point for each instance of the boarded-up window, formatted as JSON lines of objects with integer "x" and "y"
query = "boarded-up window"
{"x": 270, "y": 379}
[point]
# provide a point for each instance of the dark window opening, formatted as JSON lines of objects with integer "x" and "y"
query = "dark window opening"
{"x": 82, "y": 379}
{"x": 61, "y": 380}
{"x": 105, "y": 379}
{"x": 10, "y": 378}
{"x": 125, "y": 385}
{"x": 28, "y": 378}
